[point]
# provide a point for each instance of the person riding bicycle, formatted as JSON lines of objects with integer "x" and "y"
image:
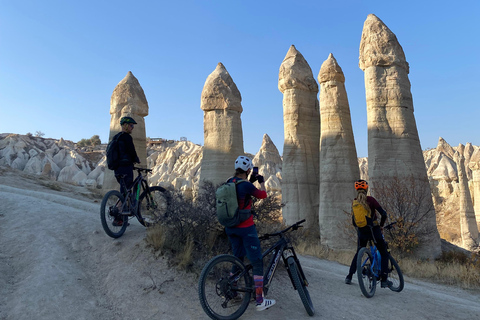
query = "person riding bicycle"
{"x": 373, "y": 231}
{"x": 243, "y": 237}
{"x": 127, "y": 156}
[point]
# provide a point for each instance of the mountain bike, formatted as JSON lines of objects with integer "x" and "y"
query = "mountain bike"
{"x": 226, "y": 285}
{"x": 369, "y": 267}
{"x": 147, "y": 206}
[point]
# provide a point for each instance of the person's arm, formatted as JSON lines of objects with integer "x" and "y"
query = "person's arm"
{"x": 382, "y": 212}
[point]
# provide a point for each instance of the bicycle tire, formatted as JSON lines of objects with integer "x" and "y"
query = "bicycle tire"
{"x": 153, "y": 206}
{"x": 109, "y": 202}
{"x": 366, "y": 278}
{"x": 395, "y": 275}
{"x": 217, "y": 291}
{"x": 300, "y": 286}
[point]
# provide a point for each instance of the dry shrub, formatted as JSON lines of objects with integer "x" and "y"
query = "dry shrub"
{"x": 408, "y": 202}
{"x": 190, "y": 233}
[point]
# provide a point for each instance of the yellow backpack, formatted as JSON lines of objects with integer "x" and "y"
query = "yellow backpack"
{"x": 361, "y": 215}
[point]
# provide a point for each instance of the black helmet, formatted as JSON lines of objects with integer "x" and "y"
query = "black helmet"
{"x": 127, "y": 120}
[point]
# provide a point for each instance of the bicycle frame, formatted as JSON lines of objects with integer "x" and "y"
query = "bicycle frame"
{"x": 139, "y": 184}
{"x": 376, "y": 261}
{"x": 281, "y": 249}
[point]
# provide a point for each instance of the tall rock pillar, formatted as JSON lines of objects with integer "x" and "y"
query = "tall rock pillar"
{"x": 222, "y": 126}
{"x": 128, "y": 99}
{"x": 393, "y": 144}
{"x": 301, "y": 146}
{"x": 475, "y": 167}
{"x": 468, "y": 225}
{"x": 338, "y": 157}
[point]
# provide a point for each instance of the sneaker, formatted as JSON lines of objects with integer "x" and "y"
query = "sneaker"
{"x": 267, "y": 303}
{"x": 386, "y": 284}
{"x": 348, "y": 280}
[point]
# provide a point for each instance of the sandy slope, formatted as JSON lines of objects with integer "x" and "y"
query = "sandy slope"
{"x": 57, "y": 263}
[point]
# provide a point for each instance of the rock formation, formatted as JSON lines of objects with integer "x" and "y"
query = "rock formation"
{"x": 474, "y": 165}
{"x": 128, "y": 100}
{"x": 339, "y": 166}
{"x": 302, "y": 139}
{"x": 468, "y": 225}
{"x": 222, "y": 125}
{"x": 269, "y": 162}
{"x": 393, "y": 144}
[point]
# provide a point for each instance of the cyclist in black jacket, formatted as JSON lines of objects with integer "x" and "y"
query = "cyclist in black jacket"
{"x": 128, "y": 156}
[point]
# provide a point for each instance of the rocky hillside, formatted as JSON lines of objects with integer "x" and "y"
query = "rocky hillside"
{"x": 177, "y": 163}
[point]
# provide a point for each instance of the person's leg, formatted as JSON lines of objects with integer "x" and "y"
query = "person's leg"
{"x": 254, "y": 254}
{"x": 382, "y": 248}
{"x": 361, "y": 242}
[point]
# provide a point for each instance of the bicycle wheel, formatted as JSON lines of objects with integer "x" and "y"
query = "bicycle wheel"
{"x": 109, "y": 210}
{"x": 224, "y": 288}
{"x": 300, "y": 285}
{"x": 153, "y": 205}
{"x": 365, "y": 273}
{"x": 395, "y": 275}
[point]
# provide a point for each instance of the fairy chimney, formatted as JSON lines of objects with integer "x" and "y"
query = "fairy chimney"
{"x": 338, "y": 157}
{"x": 475, "y": 167}
{"x": 128, "y": 100}
{"x": 222, "y": 125}
{"x": 393, "y": 144}
{"x": 301, "y": 145}
{"x": 468, "y": 224}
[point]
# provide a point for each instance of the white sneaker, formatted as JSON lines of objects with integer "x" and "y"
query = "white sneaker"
{"x": 267, "y": 303}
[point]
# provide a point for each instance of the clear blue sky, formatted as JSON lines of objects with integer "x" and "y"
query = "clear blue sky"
{"x": 61, "y": 60}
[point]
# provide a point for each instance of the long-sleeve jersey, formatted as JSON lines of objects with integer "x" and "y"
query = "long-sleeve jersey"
{"x": 128, "y": 155}
{"x": 245, "y": 191}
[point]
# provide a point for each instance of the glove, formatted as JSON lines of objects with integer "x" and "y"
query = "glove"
{"x": 253, "y": 178}
{"x": 260, "y": 179}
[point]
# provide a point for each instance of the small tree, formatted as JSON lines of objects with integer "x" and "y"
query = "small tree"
{"x": 82, "y": 143}
{"x": 408, "y": 201}
{"x": 95, "y": 140}
{"x": 39, "y": 134}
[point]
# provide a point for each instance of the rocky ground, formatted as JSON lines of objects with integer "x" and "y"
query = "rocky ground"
{"x": 57, "y": 263}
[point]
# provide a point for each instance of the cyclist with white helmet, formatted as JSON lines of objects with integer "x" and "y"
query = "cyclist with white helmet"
{"x": 244, "y": 237}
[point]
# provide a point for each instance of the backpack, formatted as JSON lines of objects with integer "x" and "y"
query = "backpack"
{"x": 361, "y": 215}
{"x": 228, "y": 212}
{"x": 113, "y": 153}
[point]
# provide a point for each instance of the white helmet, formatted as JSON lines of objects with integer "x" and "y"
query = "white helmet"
{"x": 243, "y": 163}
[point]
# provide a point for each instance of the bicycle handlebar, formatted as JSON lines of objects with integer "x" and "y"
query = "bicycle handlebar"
{"x": 142, "y": 169}
{"x": 294, "y": 226}
{"x": 390, "y": 226}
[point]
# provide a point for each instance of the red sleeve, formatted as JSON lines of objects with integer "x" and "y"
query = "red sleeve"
{"x": 259, "y": 194}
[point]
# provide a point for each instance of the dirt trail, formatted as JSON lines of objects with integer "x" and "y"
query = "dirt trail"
{"x": 57, "y": 263}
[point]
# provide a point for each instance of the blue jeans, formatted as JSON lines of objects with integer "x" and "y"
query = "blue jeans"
{"x": 245, "y": 242}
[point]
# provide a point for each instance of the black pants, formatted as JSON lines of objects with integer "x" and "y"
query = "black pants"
{"x": 128, "y": 172}
{"x": 365, "y": 234}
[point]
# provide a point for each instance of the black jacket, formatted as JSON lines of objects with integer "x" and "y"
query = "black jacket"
{"x": 128, "y": 155}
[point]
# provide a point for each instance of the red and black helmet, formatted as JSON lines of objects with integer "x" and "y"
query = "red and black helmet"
{"x": 361, "y": 185}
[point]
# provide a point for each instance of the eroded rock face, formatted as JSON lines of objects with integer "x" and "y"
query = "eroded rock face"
{"x": 223, "y": 136}
{"x": 302, "y": 139}
{"x": 47, "y": 157}
{"x": 393, "y": 144}
{"x": 468, "y": 224}
{"x": 269, "y": 162}
{"x": 128, "y": 100}
{"x": 474, "y": 165}
{"x": 339, "y": 166}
